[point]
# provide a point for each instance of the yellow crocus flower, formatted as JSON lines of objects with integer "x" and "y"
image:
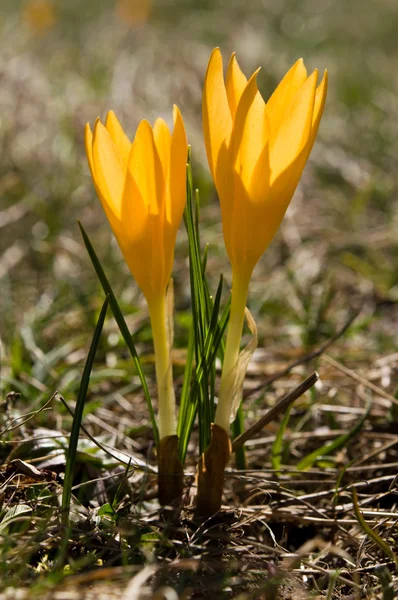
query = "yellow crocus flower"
{"x": 40, "y": 15}
{"x": 256, "y": 152}
{"x": 142, "y": 189}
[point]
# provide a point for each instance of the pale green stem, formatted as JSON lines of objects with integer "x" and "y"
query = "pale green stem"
{"x": 164, "y": 369}
{"x": 240, "y": 288}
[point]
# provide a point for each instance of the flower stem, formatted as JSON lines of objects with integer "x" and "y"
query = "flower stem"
{"x": 240, "y": 287}
{"x": 163, "y": 365}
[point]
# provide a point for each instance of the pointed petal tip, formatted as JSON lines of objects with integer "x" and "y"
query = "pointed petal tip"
{"x": 232, "y": 63}
{"x": 324, "y": 80}
{"x": 144, "y": 132}
{"x": 313, "y": 77}
{"x": 216, "y": 52}
{"x": 99, "y": 131}
{"x": 299, "y": 65}
{"x": 87, "y": 126}
{"x": 88, "y": 144}
{"x": 215, "y": 56}
{"x": 111, "y": 116}
{"x": 253, "y": 76}
{"x": 178, "y": 123}
{"x": 97, "y": 123}
{"x": 176, "y": 113}
{"x": 144, "y": 124}
{"x": 160, "y": 121}
{"x": 322, "y": 88}
{"x": 232, "y": 59}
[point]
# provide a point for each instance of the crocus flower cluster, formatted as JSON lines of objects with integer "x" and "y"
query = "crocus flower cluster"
{"x": 256, "y": 153}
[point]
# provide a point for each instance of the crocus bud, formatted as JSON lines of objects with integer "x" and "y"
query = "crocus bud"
{"x": 141, "y": 186}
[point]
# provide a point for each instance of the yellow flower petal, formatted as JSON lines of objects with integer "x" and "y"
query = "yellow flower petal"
{"x": 294, "y": 131}
{"x": 177, "y": 171}
{"x": 108, "y": 169}
{"x": 136, "y": 240}
{"x": 217, "y": 121}
{"x": 250, "y": 131}
{"x": 235, "y": 83}
{"x": 162, "y": 137}
{"x": 88, "y": 143}
{"x": 284, "y": 187}
{"x": 145, "y": 167}
{"x": 260, "y": 178}
{"x": 236, "y": 164}
{"x": 249, "y": 226}
{"x": 284, "y": 94}
{"x": 175, "y": 188}
{"x": 288, "y": 180}
{"x": 320, "y": 99}
{"x": 118, "y": 136}
{"x": 134, "y": 211}
{"x": 224, "y": 181}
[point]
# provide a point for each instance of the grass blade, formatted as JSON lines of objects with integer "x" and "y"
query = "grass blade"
{"x": 238, "y": 427}
{"x": 78, "y": 415}
{"x": 201, "y": 317}
{"x": 124, "y": 330}
{"x": 386, "y": 583}
{"x": 198, "y": 392}
{"x": 282, "y": 405}
{"x": 190, "y": 403}
{"x": 370, "y": 532}
{"x": 339, "y": 442}
{"x": 277, "y": 446}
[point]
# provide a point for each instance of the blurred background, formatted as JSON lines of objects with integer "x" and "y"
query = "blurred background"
{"x": 65, "y": 62}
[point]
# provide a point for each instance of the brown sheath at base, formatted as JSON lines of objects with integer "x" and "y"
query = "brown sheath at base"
{"x": 170, "y": 471}
{"x": 211, "y": 469}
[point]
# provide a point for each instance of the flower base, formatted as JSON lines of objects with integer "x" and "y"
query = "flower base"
{"x": 210, "y": 474}
{"x": 170, "y": 471}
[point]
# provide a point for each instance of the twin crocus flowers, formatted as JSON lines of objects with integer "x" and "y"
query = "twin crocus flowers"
{"x": 256, "y": 153}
